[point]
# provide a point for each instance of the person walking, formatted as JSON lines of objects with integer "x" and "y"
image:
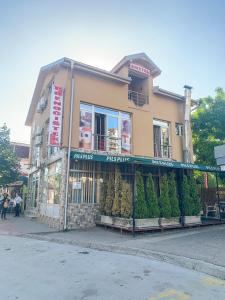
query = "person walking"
{"x": 17, "y": 202}
{"x": 5, "y": 203}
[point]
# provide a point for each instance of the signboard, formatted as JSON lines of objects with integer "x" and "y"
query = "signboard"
{"x": 140, "y": 69}
{"x": 76, "y": 155}
{"x": 55, "y": 122}
{"x": 77, "y": 185}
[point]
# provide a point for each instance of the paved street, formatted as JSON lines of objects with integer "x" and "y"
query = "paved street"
{"x": 34, "y": 270}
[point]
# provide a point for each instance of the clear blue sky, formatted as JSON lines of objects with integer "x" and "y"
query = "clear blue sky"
{"x": 186, "y": 39}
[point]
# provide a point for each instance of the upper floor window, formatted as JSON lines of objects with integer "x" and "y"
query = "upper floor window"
{"x": 104, "y": 129}
{"x": 162, "y": 147}
{"x": 179, "y": 129}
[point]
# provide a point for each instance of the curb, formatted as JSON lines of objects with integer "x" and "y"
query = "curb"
{"x": 186, "y": 262}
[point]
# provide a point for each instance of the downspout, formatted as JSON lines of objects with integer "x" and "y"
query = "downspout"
{"x": 187, "y": 115}
{"x": 69, "y": 143}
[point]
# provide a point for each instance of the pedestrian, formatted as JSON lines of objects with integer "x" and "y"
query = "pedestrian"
{"x": 5, "y": 203}
{"x": 17, "y": 203}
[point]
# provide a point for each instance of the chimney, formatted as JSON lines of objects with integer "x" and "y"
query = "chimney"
{"x": 187, "y": 117}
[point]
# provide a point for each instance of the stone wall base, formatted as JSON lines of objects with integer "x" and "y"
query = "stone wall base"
{"x": 51, "y": 222}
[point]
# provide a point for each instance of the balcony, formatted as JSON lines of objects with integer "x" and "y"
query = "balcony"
{"x": 162, "y": 151}
{"x": 138, "y": 99}
{"x": 107, "y": 143}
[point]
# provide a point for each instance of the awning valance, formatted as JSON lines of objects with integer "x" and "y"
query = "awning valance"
{"x": 109, "y": 158}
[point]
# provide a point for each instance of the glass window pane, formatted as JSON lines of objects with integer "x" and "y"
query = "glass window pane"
{"x": 85, "y": 139}
{"x": 125, "y": 115}
{"x": 104, "y": 111}
{"x": 84, "y": 106}
{"x": 126, "y": 136}
{"x": 113, "y": 141}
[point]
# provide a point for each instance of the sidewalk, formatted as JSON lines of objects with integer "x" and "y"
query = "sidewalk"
{"x": 201, "y": 249}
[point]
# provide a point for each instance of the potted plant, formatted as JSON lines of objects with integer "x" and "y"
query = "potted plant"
{"x": 152, "y": 202}
{"x": 108, "y": 191}
{"x": 174, "y": 202}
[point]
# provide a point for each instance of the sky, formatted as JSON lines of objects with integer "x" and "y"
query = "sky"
{"x": 185, "y": 38}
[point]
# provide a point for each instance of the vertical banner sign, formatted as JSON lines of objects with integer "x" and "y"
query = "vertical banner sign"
{"x": 55, "y": 122}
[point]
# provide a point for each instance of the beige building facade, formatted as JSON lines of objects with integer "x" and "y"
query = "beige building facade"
{"x": 99, "y": 119}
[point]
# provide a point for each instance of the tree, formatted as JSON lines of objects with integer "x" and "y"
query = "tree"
{"x": 126, "y": 201}
{"x": 103, "y": 194}
{"x": 141, "y": 210}
{"x": 208, "y": 127}
{"x": 174, "y": 202}
{"x": 116, "y": 208}
{"x": 151, "y": 198}
{"x": 110, "y": 195}
{"x": 186, "y": 199}
{"x": 195, "y": 201}
{"x": 164, "y": 201}
{"x": 9, "y": 164}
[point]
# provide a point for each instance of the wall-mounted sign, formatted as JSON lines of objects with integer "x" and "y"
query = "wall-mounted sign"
{"x": 77, "y": 185}
{"x": 140, "y": 69}
{"x": 55, "y": 123}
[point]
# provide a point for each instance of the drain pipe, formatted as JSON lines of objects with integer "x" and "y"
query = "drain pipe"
{"x": 69, "y": 144}
{"x": 187, "y": 115}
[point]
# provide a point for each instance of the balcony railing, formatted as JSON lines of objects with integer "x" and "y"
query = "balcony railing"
{"x": 107, "y": 143}
{"x": 163, "y": 151}
{"x": 139, "y": 99}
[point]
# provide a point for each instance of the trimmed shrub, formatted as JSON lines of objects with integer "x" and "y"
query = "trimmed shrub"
{"x": 141, "y": 210}
{"x": 126, "y": 201}
{"x": 103, "y": 195}
{"x": 195, "y": 201}
{"x": 110, "y": 195}
{"x": 174, "y": 202}
{"x": 116, "y": 208}
{"x": 186, "y": 199}
{"x": 164, "y": 201}
{"x": 151, "y": 198}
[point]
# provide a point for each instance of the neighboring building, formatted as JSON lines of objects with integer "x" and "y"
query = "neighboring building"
{"x": 100, "y": 119}
{"x": 22, "y": 151}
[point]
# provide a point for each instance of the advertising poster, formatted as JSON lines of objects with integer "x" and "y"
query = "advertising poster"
{"x": 85, "y": 140}
{"x": 126, "y": 136}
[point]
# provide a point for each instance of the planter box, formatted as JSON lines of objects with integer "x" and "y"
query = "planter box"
{"x": 107, "y": 220}
{"x": 174, "y": 221}
{"x": 128, "y": 222}
{"x": 189, "y": 220}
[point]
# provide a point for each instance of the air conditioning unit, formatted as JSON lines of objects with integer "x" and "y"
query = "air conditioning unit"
{"x": 38, "y": 131}
{"x": 38, "y": 140}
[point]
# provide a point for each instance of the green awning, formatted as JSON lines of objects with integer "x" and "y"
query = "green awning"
{"x": 109, "y": 158}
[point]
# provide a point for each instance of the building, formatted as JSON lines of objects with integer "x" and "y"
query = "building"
{"x": 85, "y": 121}
{"x": 22, "y": 151}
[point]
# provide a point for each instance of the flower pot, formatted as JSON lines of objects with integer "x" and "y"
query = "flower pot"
{"x": 106, "y": 220}
{"x": 189, "y": 220}
{"x": 170, "y": 222}
{"x": 145, "y": 223}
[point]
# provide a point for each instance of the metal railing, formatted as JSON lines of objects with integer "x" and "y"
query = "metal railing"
{"x": 164, "y": 151}
{"x": 107, "y": 143}
{"x": 139, "y": 99}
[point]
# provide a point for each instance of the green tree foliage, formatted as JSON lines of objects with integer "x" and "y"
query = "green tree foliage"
{"x": 110, "y": 195}
{"x": 164, "y": 201}
{"x": 141, "y": 210}
{"x": 116, "y": 208}
{"x": 103, "y": 194}
{"x": 208, "y": 127}
{"x": 186, "y": 199}
{"x": 9, "y": 164}
{"x": 126, "y": 201}
{"x": 151, "y": 198}
{"x": 174, "y": 202}
{"x": 195, "y": 201}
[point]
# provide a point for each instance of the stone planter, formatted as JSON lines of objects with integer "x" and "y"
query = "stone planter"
{"x": 106, "y": 220}
{"x": 190, "y": 220}
{"x": 145, "y": 223}
{"x": 174, "y": 221}
{"x": 123, "y": 222}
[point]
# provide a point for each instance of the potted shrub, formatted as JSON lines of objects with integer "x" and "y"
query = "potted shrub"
{"x": 174, "y": 202}
{"x": 110, "y": 194}
{"x": 152, "y": 202}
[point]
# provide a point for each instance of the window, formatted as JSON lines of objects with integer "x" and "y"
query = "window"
{"x": 179, "y": 129}
{"x": 53, "y": 175}
{"x": 162, "y": 146}
{"x": 104, "y": 129}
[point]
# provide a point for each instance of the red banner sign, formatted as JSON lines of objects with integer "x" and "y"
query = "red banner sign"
{"x": 140, "y": 69}
{"x": 55, "y": 123}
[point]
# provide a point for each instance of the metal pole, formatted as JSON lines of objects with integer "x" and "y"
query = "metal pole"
{"x": 217, "y": 193}
{"x": 69, "y": 145}
{"x": 133, "y": 198}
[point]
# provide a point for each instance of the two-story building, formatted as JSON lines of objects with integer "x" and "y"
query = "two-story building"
{"x": 86, "y": 120}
